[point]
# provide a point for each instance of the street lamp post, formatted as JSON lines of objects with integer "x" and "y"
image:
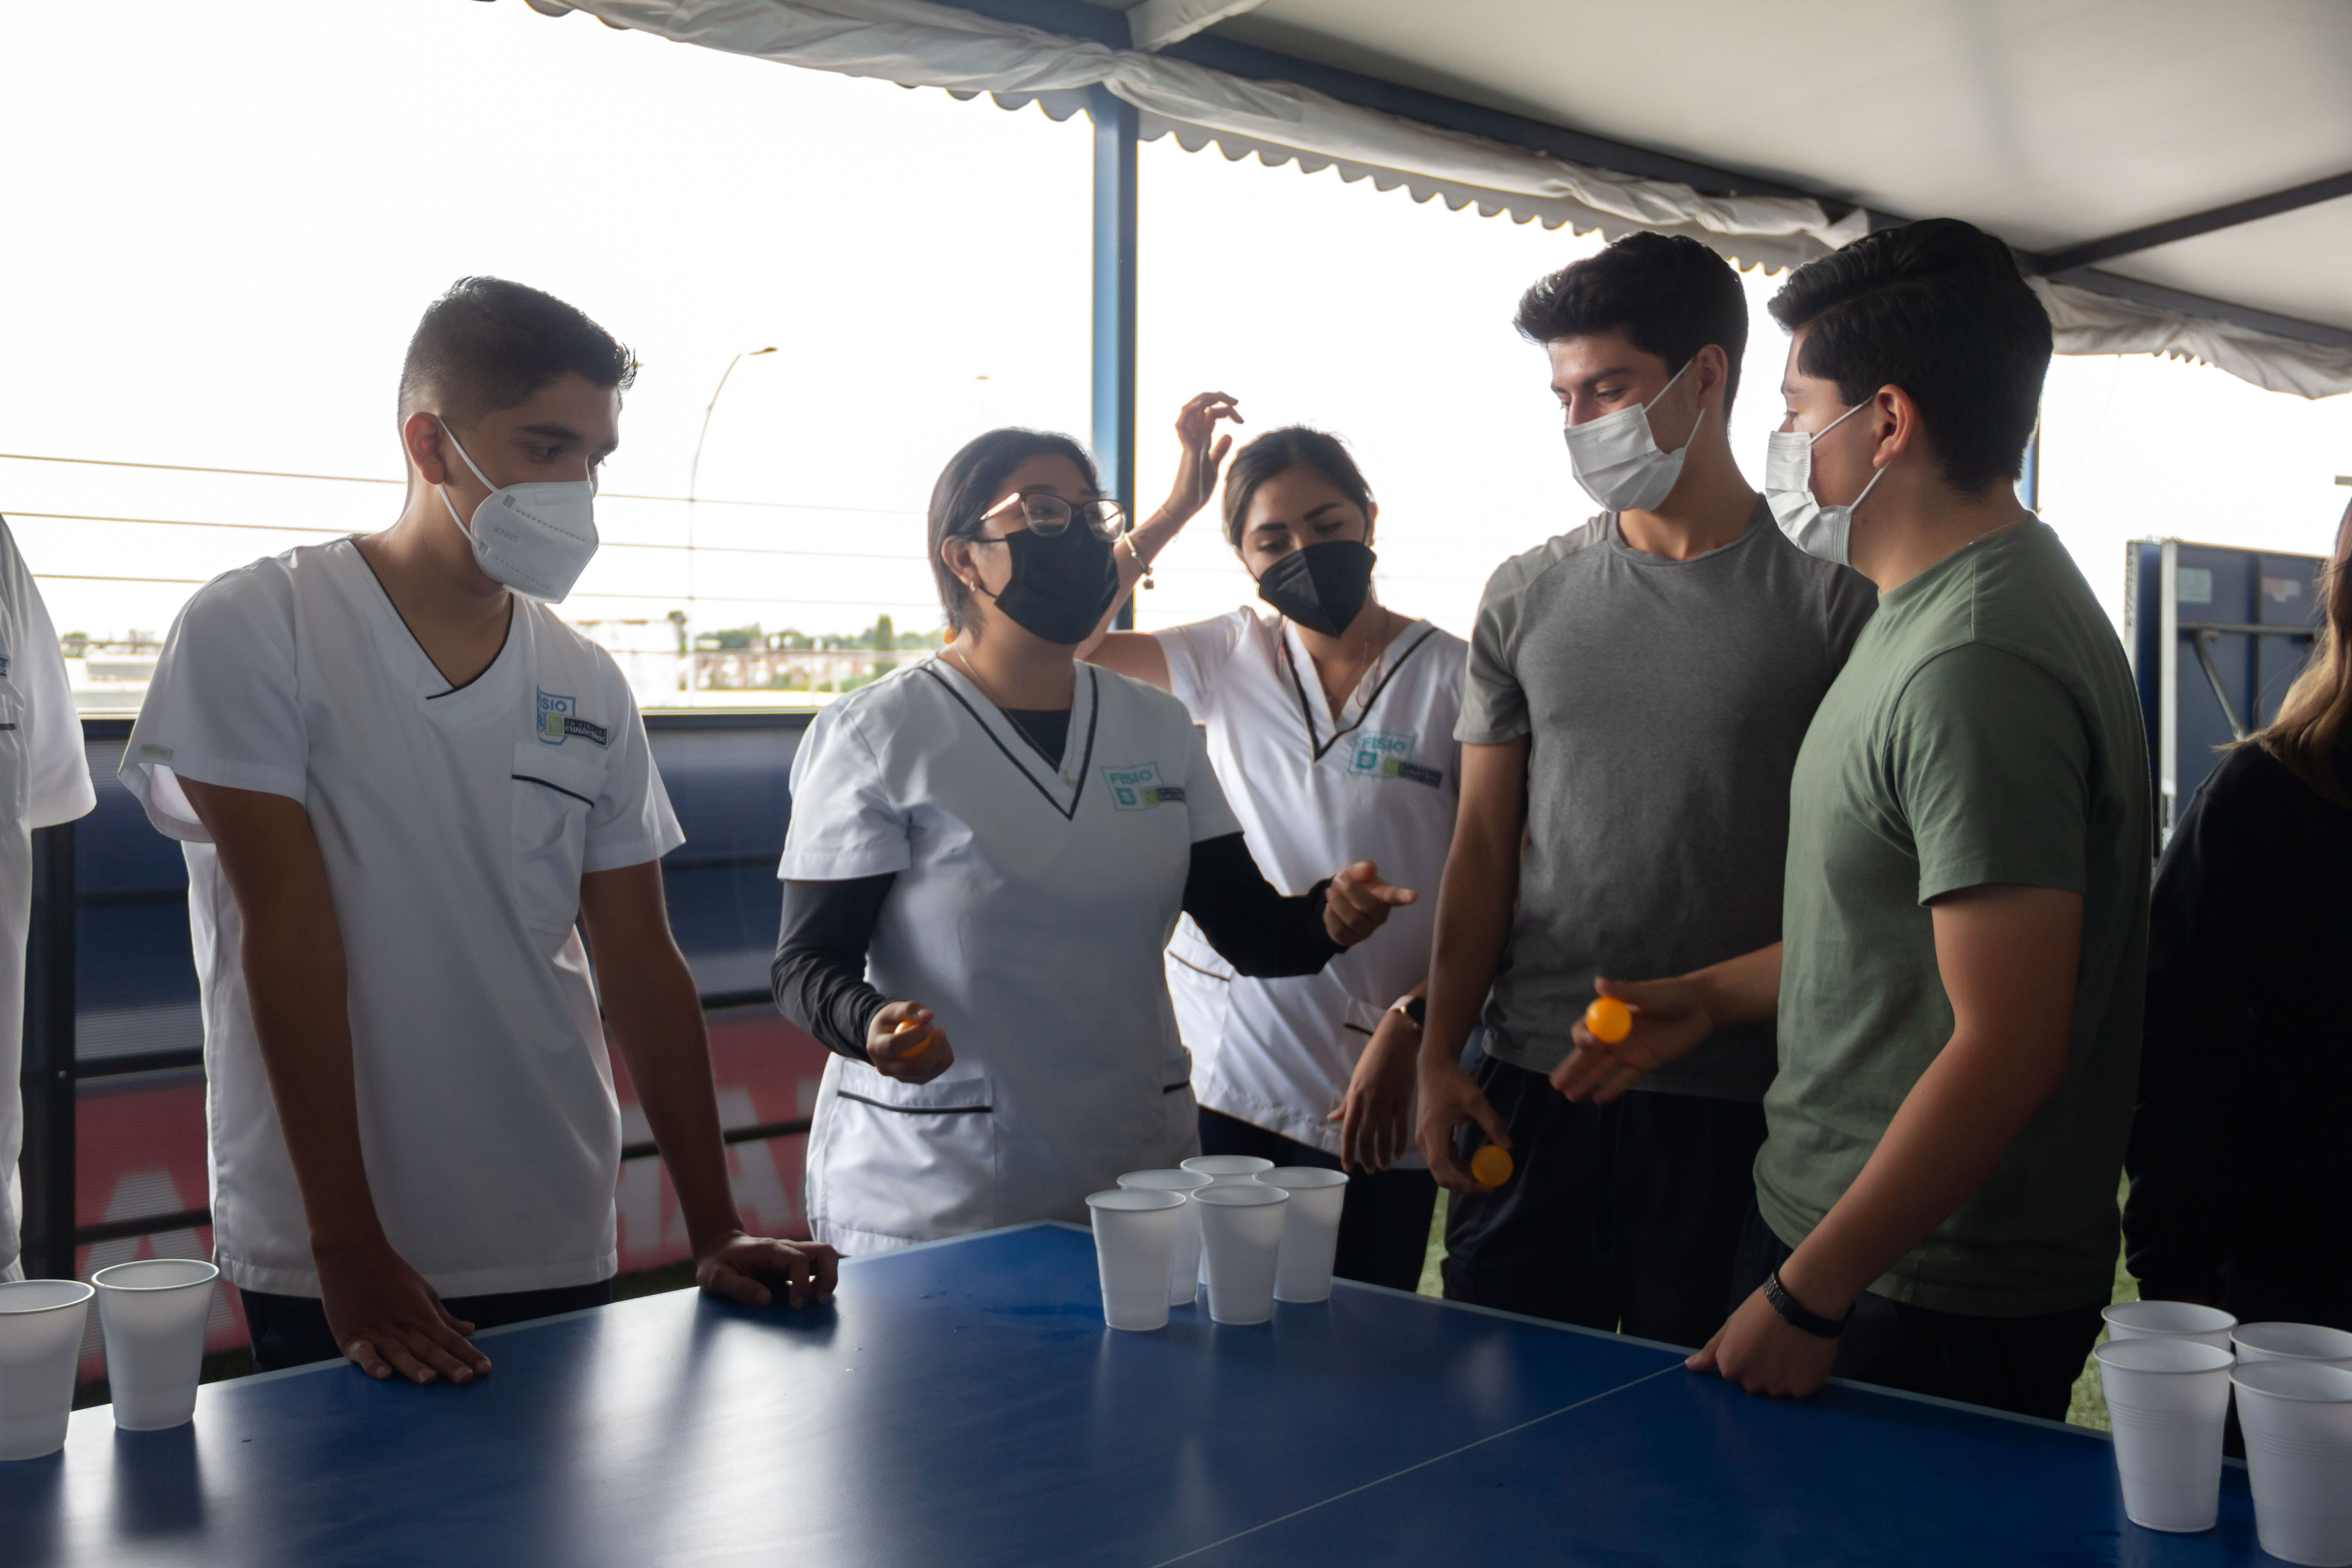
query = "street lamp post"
{"x": 694, "y": 478}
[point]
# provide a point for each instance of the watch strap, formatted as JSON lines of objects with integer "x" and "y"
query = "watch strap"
{"x": 1797, "y": 1315}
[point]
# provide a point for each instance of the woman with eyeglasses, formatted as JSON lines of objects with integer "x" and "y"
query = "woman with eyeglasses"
{"x": 987, "y": 853}
{"x": 1330, "y": 717}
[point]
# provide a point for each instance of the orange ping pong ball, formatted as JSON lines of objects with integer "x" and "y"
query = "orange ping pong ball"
{"x": 1490, "y": 1166}
{"x": 921, "y": 1046}
{"x": 1608, "y": 1020}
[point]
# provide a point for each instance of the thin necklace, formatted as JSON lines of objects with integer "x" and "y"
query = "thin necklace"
{"x": 998, "y": 703}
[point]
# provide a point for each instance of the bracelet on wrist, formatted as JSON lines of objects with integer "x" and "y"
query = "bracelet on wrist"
{"x": 1797, "y": 1315}
{"x": 1136, "y": 555}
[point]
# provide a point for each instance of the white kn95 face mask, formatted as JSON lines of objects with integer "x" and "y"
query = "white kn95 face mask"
{"x": 535, "y": 538}
{"x": 1824, "y": 532}
{"x": 1616, "y": 457}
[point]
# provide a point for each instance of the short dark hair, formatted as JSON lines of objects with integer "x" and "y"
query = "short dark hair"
{"x": 488, "y": 344}
{"x": 1278, "y": 452}
{"x": 1670, "y": 295}
{"x": 1938, "y": 309}
{"x": 972, "y": 482}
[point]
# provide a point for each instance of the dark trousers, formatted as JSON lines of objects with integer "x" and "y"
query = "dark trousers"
{"x": 291, "y": 1331}
{"x": 2027, "y": 1365}
{"x": 1384, "y": 1225}
{"x": 1620, "y": 1216}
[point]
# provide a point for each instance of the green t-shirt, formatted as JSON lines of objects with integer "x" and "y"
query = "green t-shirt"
{"x": 1985, "y": 729}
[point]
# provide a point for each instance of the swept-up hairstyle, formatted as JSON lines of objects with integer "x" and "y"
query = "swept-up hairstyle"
{"x": 488, "y": 344}
{"x": 1670, "y": 295}
{"x": 1938, "y": 309}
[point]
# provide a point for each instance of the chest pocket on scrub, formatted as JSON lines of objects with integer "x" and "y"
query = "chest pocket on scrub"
{"x": 552, "y": 795}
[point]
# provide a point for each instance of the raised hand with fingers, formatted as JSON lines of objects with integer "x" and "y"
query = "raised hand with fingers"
{"x": 1356, "y": 902}
{"x": 1653, "y": 1022}
{"x": 905, "y": 1042}
{"x": 388, "y": 1320}
{"x": 1204, "y": 452}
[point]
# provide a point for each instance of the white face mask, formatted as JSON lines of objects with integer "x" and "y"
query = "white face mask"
{"x": 1823, "y": 532}
{"x": 1616, "y": 457}
{"x": 536, "y": 539}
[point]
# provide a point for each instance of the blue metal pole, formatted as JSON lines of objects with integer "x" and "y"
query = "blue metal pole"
{"x": 1113, "y": 299}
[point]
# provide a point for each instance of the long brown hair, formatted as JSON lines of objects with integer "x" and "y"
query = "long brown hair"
{"x": 2315, "y": 719}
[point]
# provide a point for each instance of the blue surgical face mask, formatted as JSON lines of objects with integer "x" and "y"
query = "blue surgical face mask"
{"x": 535, "y": 538}
{"x": 1823, "y": 532}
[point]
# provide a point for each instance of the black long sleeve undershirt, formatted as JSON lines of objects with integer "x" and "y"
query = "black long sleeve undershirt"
{"x": 819, "y": 972}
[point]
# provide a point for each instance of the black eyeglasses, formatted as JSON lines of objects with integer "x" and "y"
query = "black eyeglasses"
{"x": 1048, "y": 515}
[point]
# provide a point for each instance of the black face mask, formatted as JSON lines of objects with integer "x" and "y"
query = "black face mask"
{"x": 1322, "y": 586}
{"x": 1060, "y": 586}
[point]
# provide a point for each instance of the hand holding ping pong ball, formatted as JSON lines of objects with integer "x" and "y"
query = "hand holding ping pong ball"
{"x": 1491, "y": 1166}
{"x": 920, "y": 1046}
{"x": 1608, "y": 1020}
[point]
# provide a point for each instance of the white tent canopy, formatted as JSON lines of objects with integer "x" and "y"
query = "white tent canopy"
{"x": 2194, "y": 153}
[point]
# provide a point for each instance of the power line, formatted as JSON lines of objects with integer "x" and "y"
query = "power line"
{"x": 370, "y": 480}
{"x": 341, "y": 533}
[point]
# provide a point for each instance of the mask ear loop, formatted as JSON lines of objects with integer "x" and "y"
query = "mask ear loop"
{"x": 442, "y": 491}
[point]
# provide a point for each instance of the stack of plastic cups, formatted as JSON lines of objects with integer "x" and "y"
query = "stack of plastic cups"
{"x": 153, "y": 1312}
{"x": 1310, "y": 1230}
{"x": 1223, "y": 1171}
{"x": 2169, "y": 1320}
{"x": 1184, "y": 1266}
{"x": 41, "y": 1324}
{"x": 2297, "y": 1418}
{"x": 2168, "y": 1401}
{"x": 1240, "y": 1244}
{"x": 1134, "y": 1232}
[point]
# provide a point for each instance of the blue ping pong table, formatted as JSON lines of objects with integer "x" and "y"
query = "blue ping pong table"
{"x": 962, "y": 1403}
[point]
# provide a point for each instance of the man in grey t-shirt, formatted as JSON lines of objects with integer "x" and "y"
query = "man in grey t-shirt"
{"x": 1636, "y": 693}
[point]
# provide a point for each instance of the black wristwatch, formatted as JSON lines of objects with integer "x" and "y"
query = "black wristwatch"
{"x": 1415, "y": 1008}
{"x": 1794, "y": 1313}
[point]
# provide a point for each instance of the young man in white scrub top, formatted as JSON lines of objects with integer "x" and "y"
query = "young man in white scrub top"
{"x": 406, "y": 791}
{"x": 987, "y": 854}
{"x": 44, "y": 780}
{"x": 1332, "y": 721}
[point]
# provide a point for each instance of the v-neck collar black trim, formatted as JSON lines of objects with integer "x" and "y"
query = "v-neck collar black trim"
{"x": 413, "y": 641}
{"x": 1086, "y": 762}
{"x": 1319, "y": 750}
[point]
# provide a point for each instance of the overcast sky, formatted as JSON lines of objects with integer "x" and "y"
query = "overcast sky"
{"x": 224, "y": 222}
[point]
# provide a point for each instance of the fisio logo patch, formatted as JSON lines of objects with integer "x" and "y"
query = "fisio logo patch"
{"x": 1385, "y": 757}
{"x": 558, "y": 722}
{"x": 1136, "y": 787}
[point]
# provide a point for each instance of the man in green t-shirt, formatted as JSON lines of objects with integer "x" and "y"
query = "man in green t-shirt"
{"x": 1959, "y": 985}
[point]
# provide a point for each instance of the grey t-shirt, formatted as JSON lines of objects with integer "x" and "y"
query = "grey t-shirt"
{"x": 1665, "y": 700}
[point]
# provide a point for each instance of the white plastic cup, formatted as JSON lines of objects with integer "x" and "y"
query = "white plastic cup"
{"x": 152, "y": 1312}
{"x": 1223, "y": 1169}
{"x": 1226, "y": 1168}
{"x": 1184, "y": 1264}
{"x": 41, "y": 1324}
{"x": 1310, "y": 1230}
{"x": 2293, "y": 1342}
{"x": 2169, "y": 1320}
{"x": 2168, "y": 1400}
{"x": 1135, "y": 1233}
{"x": 1241, "y": 1241}
{"x": 2297, "y": 1419}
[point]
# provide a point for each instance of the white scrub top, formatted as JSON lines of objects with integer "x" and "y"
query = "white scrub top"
{"x": 1032, "y": 904}
{"x": 44, "y": 780}
{"x": 1379, "y": 783}
{"x": 455, "y": 825}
